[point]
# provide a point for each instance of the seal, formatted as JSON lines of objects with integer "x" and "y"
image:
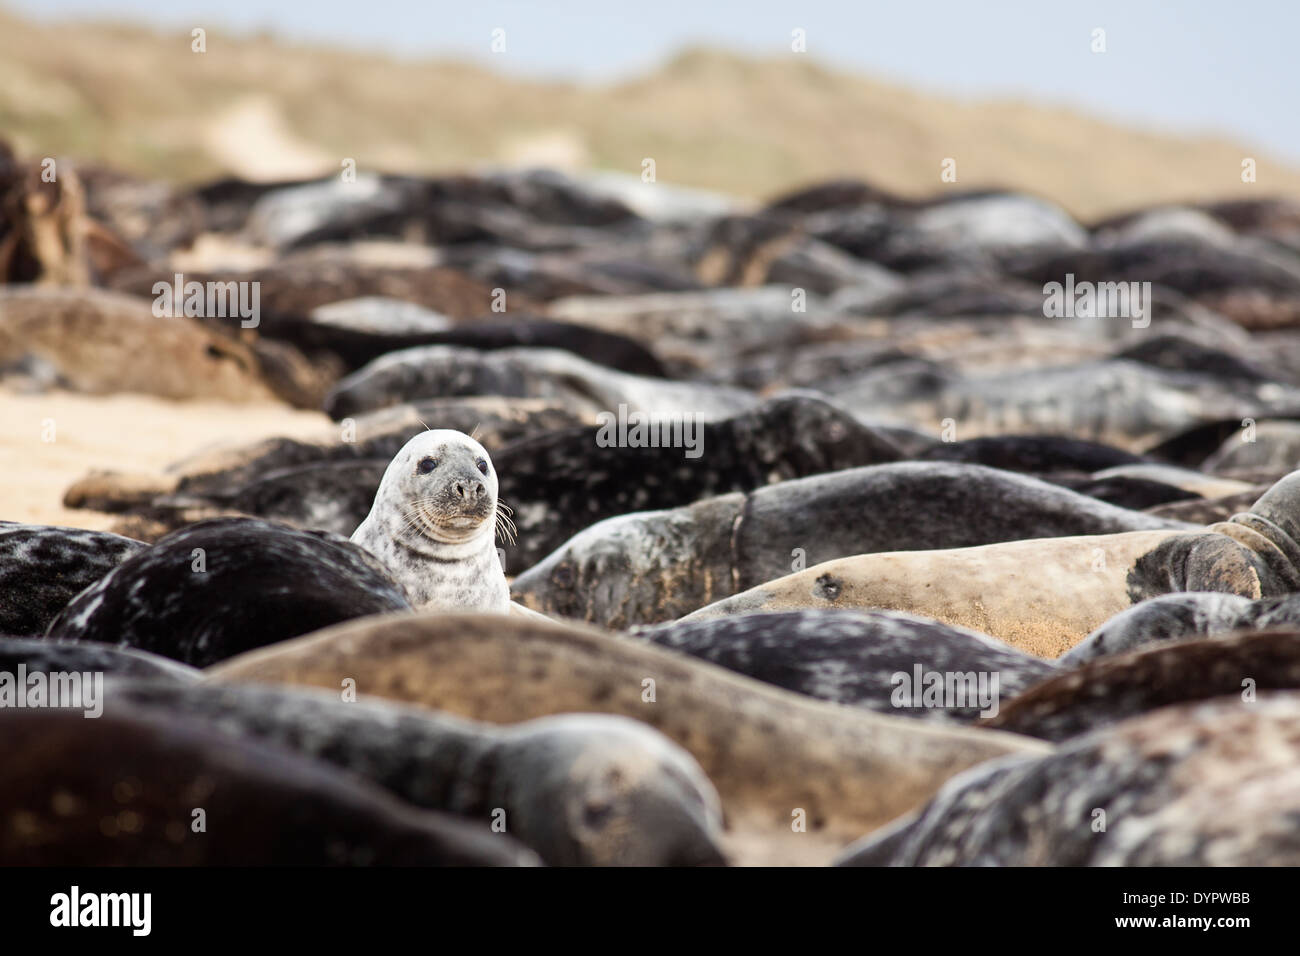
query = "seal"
{"x": 1110, "y": 689}
{"x": 1116, "y": 401}
{"x": 450, "y": 371}
{"x": 1273, "y": 445}
{"x": 558, "y": 481}
{"x": 1183, "y": 617}
{"x": 99, "y": 342}
{"x": 1031, "y": 454}
{"x": 579, "y": 789}
{"x": 1208, "y": 510}
{"x": 434, "y": 524}
{"x": 1254, "y": 284}
{"x": 561, "y": 482}
{"x": 43, "y": 567}
{"x": 125, "y": 790}
{"x": 357, "y": 343}
{"x": 864, "y": 659}
{"x": 37, "y": 654}
{"x": 1169, "y": 784}
{"x": 1194, "y": 482}
{"x": 657, "y": 566}
{"x": 693, "y": 331}
{"x": 849, "y": 770}
{"x": 227, "y": 585}
{"x": 1045, "y": 596}
{"x": 326, "y": 483}
{"x": 1137, "y": 494}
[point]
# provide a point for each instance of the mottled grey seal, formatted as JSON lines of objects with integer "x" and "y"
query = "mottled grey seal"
{"x": 1215, "y": 783}
{"x": 1273, "y": 445}
{"x": 1031, "y": 454}
{"x": 357, "y": 343}
{"x": 1112, "y": 688}
{"x": 434, "y": 524}
{"x": 325, "y": 482}
{"x": 1208, "y": 510}
{"x": 46, "y": 656}
{"x": 656, "y": 566}
{"x": 579, "y": 789}
{"x": 134, "y": 789}
{"x": 1046, "y": 595}
{"x": 42, "y": 568}
{"x": 228, "y": 585}
{"x": 1120, "y": 402}
{"x": 768, "y": 751}
{"x": 444, "y": 370}
{"x": 865, "y": 659}
{"x": 1254, "y": 283}
{"x": 563, "y": 481}
{"x": 1185, "y": 616}
{"x": 692, "y": 331}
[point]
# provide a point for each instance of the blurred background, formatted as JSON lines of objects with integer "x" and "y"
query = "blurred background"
{"x": 1162, "y": 106}
{"x": 187, "y": 161}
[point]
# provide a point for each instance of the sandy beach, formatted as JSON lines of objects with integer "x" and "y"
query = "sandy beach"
{"x": 50, "y": 440}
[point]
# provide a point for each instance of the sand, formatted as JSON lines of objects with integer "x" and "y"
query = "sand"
{"x": 126, "y": 433}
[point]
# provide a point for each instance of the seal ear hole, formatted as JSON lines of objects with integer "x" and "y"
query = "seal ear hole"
{"x": 563, "y": 575}
{"x": 426, "y": 465}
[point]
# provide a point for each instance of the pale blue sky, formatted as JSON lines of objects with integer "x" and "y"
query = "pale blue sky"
{"x": 1229, "y": 67}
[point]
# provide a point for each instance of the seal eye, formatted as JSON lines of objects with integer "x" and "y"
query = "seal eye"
{"x": 482, "y": 465}
{"x": 426, "y": 465}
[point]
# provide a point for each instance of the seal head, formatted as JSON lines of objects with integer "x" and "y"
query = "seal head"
{"x": 434, "y": 524}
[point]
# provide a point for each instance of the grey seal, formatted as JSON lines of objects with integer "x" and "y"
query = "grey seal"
{"x": 1216, "y": 783}
{"x": 650, "y": 567}
{"x": 865, "y": 659}
{"x": 580, "y": 789}
{"x": 42, "y": 568}
{"x": 125, "y": 790}
{"x": 219, "y": 587}
{"x": 434, "y": 524}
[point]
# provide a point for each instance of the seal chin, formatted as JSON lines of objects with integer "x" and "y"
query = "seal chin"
{"x": 453, "y": 528}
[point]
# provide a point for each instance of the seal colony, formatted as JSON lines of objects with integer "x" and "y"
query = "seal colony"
{"x": 928, "y": 579}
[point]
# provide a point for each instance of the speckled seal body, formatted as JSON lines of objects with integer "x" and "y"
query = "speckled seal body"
{"x": 656, "y": 566}
{"x": 579, "y": 789}
{"x": 42, "y": 568}
{"x": 1216, "y": 783}
{"x": 1111, "y": 689}
{"x": 434, "y": 524}
{"x": 563, "y": 481}
{"x": 857, "y": 657}
{"x": 1046, "y": 595}
{"x": 46, "y": 656}
{"x": 227, "y": 585}
{"x": 123, "y": 790}
{"x": 849, "y": 770}
{"x": 1185, "y": 616}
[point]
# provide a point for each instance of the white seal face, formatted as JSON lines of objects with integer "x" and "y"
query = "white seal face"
{"x": 434, "y": 524}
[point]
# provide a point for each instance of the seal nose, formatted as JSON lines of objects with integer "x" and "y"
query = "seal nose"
{"x": 470, "y": 489}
